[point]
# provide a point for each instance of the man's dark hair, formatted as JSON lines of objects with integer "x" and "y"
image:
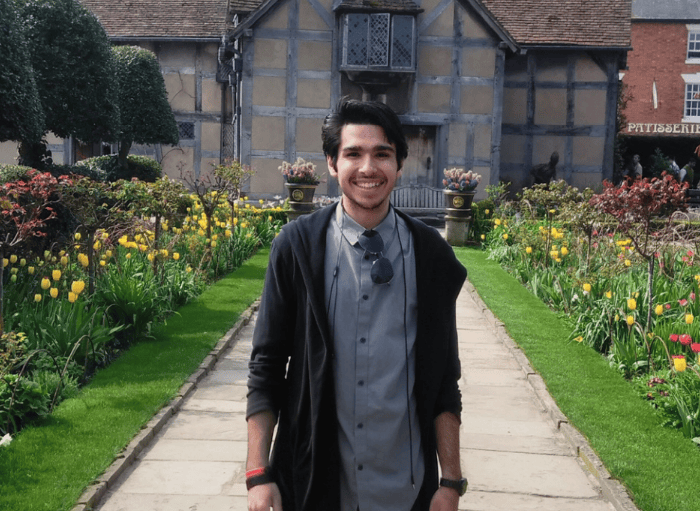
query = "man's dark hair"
{"x": 374, "y": 113}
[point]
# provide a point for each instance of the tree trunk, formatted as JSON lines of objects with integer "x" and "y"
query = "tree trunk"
{"x": 124, "y": 148}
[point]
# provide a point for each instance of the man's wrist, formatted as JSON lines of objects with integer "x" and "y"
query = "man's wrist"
{"x": 258, "y": 476}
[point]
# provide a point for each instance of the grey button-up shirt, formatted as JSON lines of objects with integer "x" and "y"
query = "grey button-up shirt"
{"x": 374, "y": 330}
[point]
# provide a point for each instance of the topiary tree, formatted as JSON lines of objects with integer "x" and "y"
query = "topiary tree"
{"x": 146, "y": 116}
{"x": 21, "y": 115}
{"x": 74, "y": 70}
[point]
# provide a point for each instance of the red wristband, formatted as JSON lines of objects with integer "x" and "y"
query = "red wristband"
{"x": 255, "y": 472}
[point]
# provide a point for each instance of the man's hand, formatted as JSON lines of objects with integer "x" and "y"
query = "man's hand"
{"x": 445, "y": 499}
{"x": 265, "y": 496}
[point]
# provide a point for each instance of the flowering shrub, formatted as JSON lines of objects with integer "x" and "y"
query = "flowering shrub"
{"x": 300, "y": 172}
{"x": 458, "y": 180}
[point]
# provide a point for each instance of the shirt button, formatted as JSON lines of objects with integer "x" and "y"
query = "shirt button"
{"x": 362, "y": 340}
{"x": 365, "y": 297}
{"x": 359, "y": 467}
{"x": 366, "y": 256}
{"x": 361, "y": 383}
{"x": 359, "y": 426}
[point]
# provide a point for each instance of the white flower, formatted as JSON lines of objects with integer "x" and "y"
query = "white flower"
{"x": 6, "y": 440}
{"x": 574, "y": 298}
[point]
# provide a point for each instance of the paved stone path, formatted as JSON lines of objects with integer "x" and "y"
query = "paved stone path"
{"x": 518, "y": 451}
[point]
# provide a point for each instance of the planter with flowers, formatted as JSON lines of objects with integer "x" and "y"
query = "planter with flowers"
{"x": 460, "y": 188}
{"x": 301, "y": 181}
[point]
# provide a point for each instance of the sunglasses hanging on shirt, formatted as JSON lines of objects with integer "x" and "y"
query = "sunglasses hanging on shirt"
{"x": 382, "y": 272}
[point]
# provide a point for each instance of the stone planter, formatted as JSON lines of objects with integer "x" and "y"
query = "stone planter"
{"x": 459, "y": 204}
{"x": 301, "y": 197}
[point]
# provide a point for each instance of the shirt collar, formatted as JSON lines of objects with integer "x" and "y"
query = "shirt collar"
{"x": 352, "y": 230}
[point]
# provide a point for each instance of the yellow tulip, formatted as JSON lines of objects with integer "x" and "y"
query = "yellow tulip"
{"x": 30, "y": 270}
{"x": 64, "y": 261}
{"x": 103, "y": 262}
{"x": 505, "y": 236}
{"x": 630, "y": 320}
{"x": 632, "y": 304}
{"x": 53, "y": 292}
{"x": 564, "y": 251}
{"x": 37, "y": 297}
{"x": 587, "y": 287}
{"x": 689, "y": 318}
{"x": 659, "y": 310}
{"x": 5, "y": 262}
{"x": 13, "y": 258}
{"x": 45, "y": 283}
{"x": 56, "y": 274}
{"x": 176, "y": 256}
{"x": 608, "y": 295}
{"x": 497, "y": 221}
{"x": 486, "y": 211}
{"x": 628, "y": 262}
{"x": 679, "y": 363}
{"x": 213, "y": 244}
{"x": 483, "y": 237}
{"x": 72, "y": 297}
{"x": 22, "y": 262}
{"x": 77, "y": 236}
{"x": 528, "y": 250}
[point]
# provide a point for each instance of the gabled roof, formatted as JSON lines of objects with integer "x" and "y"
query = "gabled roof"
{"x": 591, "y": 23}
{"x": 161, "y": 19}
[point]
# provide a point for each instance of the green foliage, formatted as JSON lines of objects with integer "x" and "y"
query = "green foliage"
{"x": 69, "y": 330}
{"x": 131, "y": 297}
{"x": 21, "y": 400}
{"x": 21, "y": 114}
{"x": 9, "y": 173}
{"x": 146, "y": 116}
{"x": 660, "y": 163}
{"x": 72, "y": 61}
{"x": 107, "y": 168}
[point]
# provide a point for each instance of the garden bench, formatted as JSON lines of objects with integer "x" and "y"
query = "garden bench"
{"x": 419, "y": 200}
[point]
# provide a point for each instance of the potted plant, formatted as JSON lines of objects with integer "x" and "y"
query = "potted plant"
{"x": 301, "y": 181}
{"x": 459, "y": 190}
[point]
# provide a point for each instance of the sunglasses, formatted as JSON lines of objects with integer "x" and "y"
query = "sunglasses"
{"x": 382, "y": 272}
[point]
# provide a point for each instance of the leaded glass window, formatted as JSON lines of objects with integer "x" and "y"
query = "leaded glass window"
{"x": 379, "y": 41}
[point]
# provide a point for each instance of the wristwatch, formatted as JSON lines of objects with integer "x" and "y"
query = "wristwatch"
{"x": 460, "y": 485}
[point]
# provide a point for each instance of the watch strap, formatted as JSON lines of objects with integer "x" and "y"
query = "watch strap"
{"x": 459, "y": 485}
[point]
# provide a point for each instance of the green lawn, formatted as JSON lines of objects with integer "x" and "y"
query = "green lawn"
{"x": 48, "y": 466}
{"x": 657, "y": 464}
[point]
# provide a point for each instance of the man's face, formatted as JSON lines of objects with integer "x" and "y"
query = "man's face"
{"x": 366, "y": 169}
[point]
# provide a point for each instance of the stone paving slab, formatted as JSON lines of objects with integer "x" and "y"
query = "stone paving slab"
{"x": 514, "y": 455}
{"x": 487, "y": 501}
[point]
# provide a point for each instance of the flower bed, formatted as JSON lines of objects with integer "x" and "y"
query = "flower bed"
{"x": 624, "y": 266}
{"x": 123, "y": 264}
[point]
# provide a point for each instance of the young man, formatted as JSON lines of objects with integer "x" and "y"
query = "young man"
{"x": 355, "y": 348}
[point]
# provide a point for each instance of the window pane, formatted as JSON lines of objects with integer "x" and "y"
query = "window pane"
{"x": 186, "y": 130}
{"x": 379, "y": 40}
{"x": 356, "y": 39}
{"x": 402, "y": 42}
{"x": 692, "y": 100}
{"x": 694, "y": 45}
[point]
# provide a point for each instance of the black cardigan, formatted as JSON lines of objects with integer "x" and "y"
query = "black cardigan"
{"x": 292, "y": 326}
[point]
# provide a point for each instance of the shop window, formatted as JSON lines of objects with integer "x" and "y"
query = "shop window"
{"x": 693, "y": 56}
{"x": 379, "y": 41}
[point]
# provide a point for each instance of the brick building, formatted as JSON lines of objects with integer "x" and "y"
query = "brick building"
{"x": 663, "y": 80}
